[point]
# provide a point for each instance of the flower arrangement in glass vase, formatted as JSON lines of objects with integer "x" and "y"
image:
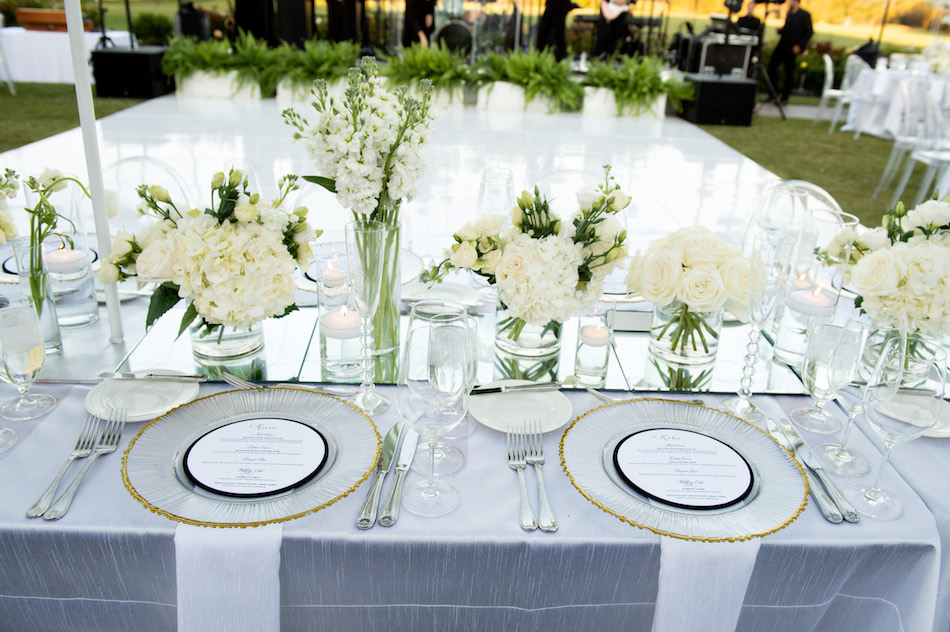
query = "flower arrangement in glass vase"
{"x": 233, "y": 262}
{"x": 901, "y": 269}
{"x": 546, "y": 269}
{"x": 367, "y": 147}
{"x": 690, "y": 276}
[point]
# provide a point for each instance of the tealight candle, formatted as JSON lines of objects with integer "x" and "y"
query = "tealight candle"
{"x": 65, "y": 260}
{"x": 332, "y": 278}
{"x": 811, "y": 303}
{"x": 595, "y": 336}
{"x": 342, "y": 325}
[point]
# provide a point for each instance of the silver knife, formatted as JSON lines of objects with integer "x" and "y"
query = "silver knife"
{"x": 149, "y": 375}
{"x": 514, "y": 388}
{"x": 809, "y": 459}
{"x": 825, "y": 505}
{"x": 367, "y": 517}
{"x": 390, "y": 509}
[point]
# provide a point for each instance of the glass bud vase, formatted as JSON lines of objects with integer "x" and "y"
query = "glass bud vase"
{"x": 386, "y": 318}
{"x": 36, "y": 284}
{"x": 239, "y": 351}
{"x": 683, "y": 336}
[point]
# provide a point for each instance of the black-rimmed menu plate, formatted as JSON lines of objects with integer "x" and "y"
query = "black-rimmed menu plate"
{"x": 683, "y": 468}
{"x": 255, "y": 458}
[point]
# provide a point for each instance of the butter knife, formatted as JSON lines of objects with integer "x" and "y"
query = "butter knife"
{"x": 149, "y": 375}
{"x": 825, "y": 505}
{"x": 367, "y": 517}
{"x": 515, "y": 388}
{"x": 390, "y": 509}
{"x": 808, "y": 457}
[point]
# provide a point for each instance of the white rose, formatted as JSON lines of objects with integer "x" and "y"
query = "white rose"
{"x": 464, "y": 256}
{"x": 512, "y": 266}
{"x": 878, "y": 273}
{"x": 702, "y": 289}
{"x": 489, "y": 225}
{"x": 156, "y": 262}
{"x": 736, "y": 274}
{"x": 660, "y": 274}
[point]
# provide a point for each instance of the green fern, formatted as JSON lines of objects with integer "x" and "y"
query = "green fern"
{"x": 254, "y": 64}
{"x": 636, "y": 82}
{"x": 186, "y": 55}
{"x": 318, "y": 59}
{"x": 540, "y": 74}
{"x": 444, "y": 68}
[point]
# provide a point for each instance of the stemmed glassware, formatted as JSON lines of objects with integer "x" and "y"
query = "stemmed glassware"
{"x": 770, "y": 251}
{"x": 21, "y": 343}
{"x": 435, "y": 381}
{"x": 496, "y": 192}
{"x": 902, "y": 402}
{"x": 364, "y": 245}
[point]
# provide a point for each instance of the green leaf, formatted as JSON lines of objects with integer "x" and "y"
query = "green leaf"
{"x": 163, "y": 299}
{"x": 190, "y": 315}
{"x": 290, "y": 309}
{"x": 327, "y": 183}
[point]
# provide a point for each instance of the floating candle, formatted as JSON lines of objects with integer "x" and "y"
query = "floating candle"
{"x": 65, "y": 260}
{"x": 343, "y": 325}
{"x": 332, "y": 278}
{"x": 811, "y": 303}
{"x": 595, "y": 336}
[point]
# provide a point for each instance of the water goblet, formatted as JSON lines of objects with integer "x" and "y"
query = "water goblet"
{"x": 21, "y": 345}
{"x": 902, "y": 402}
{"x": 364, "y": 243}
{"x": 433, "y": 391}
{"x": 496, "y": 192}
{"x": 831, "y": 355}
{"x": 770, "y": 252}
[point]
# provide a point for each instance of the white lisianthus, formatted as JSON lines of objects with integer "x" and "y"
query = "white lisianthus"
{"x": 8, "y": 229}
{"x": 464, "y": 255}
{"x": 121, "y": 245}
{"x": 489, "y": 225}
{"x": 159, "y": 193}
{"x": 112, "y": 203}
{"x": 468, "y": 232}
{"x": 873, "y": 239}
{"x": 489, "y": 262}
{"x": 929, "y": 215}
{"x": 108, "y": 273}
{"x": 217, "y": 180}
{"x": 245, "y": 210}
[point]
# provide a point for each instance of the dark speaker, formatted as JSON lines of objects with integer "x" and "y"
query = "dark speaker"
{"x": 720, "y": 100}
{"x": 135, "y": 73}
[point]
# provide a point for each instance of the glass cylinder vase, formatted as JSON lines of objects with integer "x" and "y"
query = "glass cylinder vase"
{"x": 239, "y": 351}
{"x": 386, "y": 318}
{"x": 35, "y": 284}
{"x": 515, "y": 336}
{"x": 683, "y": 336}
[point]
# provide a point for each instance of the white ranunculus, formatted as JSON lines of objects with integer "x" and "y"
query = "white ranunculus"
{"x": 878, "y": 273}
{"x": 49, "y": 176}
{"x": 702, "y": 290}
{"x": 156, "y": 262}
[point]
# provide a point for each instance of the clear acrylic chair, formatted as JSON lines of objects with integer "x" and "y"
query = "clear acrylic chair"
{"x": 7, "y": 77}
{"x": 935, "y": 156}
{"x": 853, "y": 67}
{"x": 912, "y": 134}
{"x": 122, "y": 179}
{"x": 829, "y": 93}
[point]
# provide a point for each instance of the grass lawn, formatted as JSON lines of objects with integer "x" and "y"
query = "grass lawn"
{"x": 794, "y": 149}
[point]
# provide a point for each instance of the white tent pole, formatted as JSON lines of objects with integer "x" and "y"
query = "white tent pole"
{"x": 90, "y": 141}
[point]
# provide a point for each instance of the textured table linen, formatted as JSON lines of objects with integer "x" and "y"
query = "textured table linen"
{"x": 111, "y": 565}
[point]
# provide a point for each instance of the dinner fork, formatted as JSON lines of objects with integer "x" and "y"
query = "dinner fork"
{"x": 84, "y": 444}
{"x": 535, "y": 456}
{"x": 516, "y": 461}
{"x": 108, "y": 442}
{"x": 338, "y": 391}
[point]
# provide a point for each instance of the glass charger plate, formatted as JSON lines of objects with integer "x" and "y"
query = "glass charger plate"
{"x": 153, "y": 472}
{"x": 778, "y": 498}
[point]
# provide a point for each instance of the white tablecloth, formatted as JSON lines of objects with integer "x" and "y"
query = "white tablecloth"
{"x": 43, "y": 56}
{"x": 878, "y": 104}
{"x": 110, "y": 564}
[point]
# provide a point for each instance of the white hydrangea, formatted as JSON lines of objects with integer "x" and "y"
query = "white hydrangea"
{"x": 537, "y": 279}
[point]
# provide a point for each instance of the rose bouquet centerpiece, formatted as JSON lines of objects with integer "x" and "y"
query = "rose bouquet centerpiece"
{"x": 901, "y": 269}
{"x": 367, "y": 148}
{"x": 690, "y": 276}
{"x": 546, "y": 269}
{"x": 233, "y": 262}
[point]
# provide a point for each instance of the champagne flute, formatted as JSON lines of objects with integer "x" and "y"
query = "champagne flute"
{"x": 770, "y": 252}
{"x": 433, "y": 391}
{"x": 838, "y": 458}
{"x": 831, "y": 355}
{"x": 364, "y": 245}
{"x": 902, "y": 402}
{"x": 21, "y": 344}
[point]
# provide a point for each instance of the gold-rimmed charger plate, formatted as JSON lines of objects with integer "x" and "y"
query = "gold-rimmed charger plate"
{"x": 152, "y": 470}
{"x": 780, "y": 488}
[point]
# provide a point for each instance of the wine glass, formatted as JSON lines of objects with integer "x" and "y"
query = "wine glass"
{"x": 902, "y": 402}
{"x": 433, "y": 391}
{"x": 837, "y": 457}
{"x": 496, "y": 192}
{"x": 770, "y": 252}
{"x": 364, "y": 243}
{"x": 21, "y": 344}
{"x": 831, "y": 355}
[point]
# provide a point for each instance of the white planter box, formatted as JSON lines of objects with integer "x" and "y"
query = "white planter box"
{"x": 295, "y": 93}
{"x": 206, "y": 85}
{"x": 601, "y": 102}
{"x": 502, "y": 96}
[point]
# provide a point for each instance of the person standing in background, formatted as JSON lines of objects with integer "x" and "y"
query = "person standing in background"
{"x": 419, "y": 22}
{"x": 793, "y": 40}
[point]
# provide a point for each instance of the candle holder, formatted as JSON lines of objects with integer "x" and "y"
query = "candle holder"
{"x": 69, "y": 263}
{"x": 594, "y": 334}
{"x": 339, "y": 322}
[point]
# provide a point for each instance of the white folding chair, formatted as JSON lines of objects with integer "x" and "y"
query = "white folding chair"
{"x": 853, "y": 67}
{"x": 7, "y": 77}
{"x": 828, "y": 92}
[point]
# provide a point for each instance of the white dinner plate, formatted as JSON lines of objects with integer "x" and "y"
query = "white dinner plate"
{"x": 510, "y": 411}
{"x": 143, "y": 399}
{"x": 449, "y": 291}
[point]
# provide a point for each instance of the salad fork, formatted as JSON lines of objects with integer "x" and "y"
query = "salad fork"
{"x": 84, "y": 445}
{"x": 516, "y": 461}
{"x": 108, "y": 442}
{"x": 535, "y": 456}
